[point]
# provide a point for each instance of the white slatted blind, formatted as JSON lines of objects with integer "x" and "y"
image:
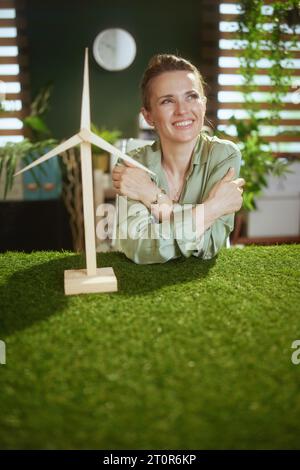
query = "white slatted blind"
{"x": 230, "y": 98}
{"x": 13, "y": 77}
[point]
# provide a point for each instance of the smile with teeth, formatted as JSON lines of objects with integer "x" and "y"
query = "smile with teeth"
{"x": 183, "y": 123}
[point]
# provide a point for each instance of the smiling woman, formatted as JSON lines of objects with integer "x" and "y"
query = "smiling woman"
{"x": 188, "y": 207}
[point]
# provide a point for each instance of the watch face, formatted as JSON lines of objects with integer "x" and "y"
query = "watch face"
{"x": 114, "y": 49}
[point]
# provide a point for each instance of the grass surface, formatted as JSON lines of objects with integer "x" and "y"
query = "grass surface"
{"x": 189, "y": 354}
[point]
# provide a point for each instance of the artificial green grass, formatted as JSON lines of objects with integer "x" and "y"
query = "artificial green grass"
{"x": 190, "y": 354}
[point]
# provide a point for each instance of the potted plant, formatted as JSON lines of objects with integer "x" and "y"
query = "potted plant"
{"x": 258, "y": 160}
{"x": 39, "y": 141}
{"x": 101, "y": 160}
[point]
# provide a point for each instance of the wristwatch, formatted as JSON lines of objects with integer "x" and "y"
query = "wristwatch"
{"x": 159, "y": 196}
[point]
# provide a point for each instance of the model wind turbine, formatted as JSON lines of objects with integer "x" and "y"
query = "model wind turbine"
{"x": 91, "y": 279}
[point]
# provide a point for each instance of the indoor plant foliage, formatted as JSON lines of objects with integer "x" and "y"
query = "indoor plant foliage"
{"x": 12, "y": 153}
{"x": 261, "y": 42}
{"x": 40, "y": 140}
{"x": 35, "y": 123}
{"x": 257, "y": 159}
{"x": 110, "y": 136}
{"x": 101, "y": 159}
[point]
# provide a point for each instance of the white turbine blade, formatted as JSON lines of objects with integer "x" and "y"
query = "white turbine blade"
{"x": 59, "y": 149}
{"x": 99, "y": 142}
{"x": 85, "y": 104}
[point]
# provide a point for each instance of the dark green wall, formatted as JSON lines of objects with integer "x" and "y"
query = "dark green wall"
{"x": 58, "y": 32}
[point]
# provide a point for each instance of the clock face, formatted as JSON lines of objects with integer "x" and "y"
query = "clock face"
{"x": 114, "y": 49}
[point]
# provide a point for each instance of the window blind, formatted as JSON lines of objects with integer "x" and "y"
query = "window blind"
{"x": 230, "y": 99}
{"x": 14, "y": 83}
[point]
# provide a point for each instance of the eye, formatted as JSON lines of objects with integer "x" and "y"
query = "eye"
{"x": 166, "y": 101}
{"x": 193, "y": 96}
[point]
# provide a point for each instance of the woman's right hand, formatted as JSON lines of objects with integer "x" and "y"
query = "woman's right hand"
{"x": 226, "y": 194}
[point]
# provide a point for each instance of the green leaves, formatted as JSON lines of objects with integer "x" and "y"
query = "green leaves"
{"x": 109, "y": 136}
{"x": 38, "y": 108}
{"x": 37, "y": 124}
{"x": 260, "y": 44}
{"x": 40, "y": 104}
{"x": 13, "y": 153}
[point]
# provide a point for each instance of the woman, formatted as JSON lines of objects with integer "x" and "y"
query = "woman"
{"x": 188, "y": 207}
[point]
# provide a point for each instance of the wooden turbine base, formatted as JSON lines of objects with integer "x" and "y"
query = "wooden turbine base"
{"x": 78, "y": 282}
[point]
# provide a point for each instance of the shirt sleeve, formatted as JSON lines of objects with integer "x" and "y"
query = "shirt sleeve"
{"x": 144, "y": 240}
{"x": 215, "y": 237}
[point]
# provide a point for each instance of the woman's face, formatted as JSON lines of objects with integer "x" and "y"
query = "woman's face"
{"x": 177, "y": 106}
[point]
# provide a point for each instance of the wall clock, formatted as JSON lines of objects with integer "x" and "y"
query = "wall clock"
{"x": 114, "y": 49}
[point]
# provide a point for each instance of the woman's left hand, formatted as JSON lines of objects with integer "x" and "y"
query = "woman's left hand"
{"x": 133, "y": 182}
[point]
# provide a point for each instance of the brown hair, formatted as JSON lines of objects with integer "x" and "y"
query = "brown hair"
{"x": 161, "y": 63}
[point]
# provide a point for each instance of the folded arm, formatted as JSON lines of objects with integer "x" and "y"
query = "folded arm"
{"x": 152, "y": 233}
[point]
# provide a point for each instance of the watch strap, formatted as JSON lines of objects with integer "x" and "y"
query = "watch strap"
{"x": 160, "y": 193}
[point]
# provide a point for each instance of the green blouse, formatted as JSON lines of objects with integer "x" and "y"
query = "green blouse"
{"x": 144, "y": 240}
